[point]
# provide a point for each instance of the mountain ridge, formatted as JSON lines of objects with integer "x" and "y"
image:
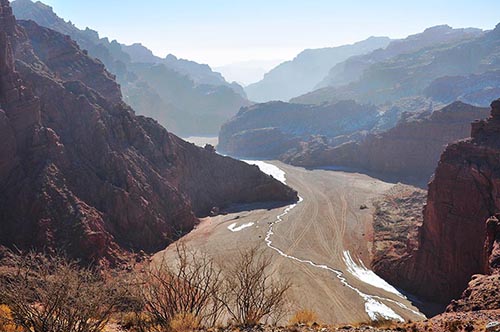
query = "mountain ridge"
{"x": 196, "y": 82}
{"x": 305, "y": 71}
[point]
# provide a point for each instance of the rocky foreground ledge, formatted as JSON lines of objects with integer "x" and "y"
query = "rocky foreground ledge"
{"x": 481, "y": 321}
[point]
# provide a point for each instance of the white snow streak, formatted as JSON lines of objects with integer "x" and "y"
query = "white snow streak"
{"x": 269, "y": 169}
{"x": 367, "y": 276}
{"x": 235, "y": 228}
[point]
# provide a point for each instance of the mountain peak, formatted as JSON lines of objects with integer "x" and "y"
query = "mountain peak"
{"x": 438, "y": 28}
{"x": 497, "y": 28}
{"x": 495, "y": 109}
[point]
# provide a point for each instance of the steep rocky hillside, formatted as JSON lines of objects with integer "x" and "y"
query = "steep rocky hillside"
{"x": 460, "y": 234}
{"x": 81, "y": 172}
{"x": 408, "y": 152}
{"x": 146, "y": 80}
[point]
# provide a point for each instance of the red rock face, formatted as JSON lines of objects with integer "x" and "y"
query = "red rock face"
{"x": 80, "y": 171}
{"x": 458, "y": 239}
{"x": 16, "y": 100}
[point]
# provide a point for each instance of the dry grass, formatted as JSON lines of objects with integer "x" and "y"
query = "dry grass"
{"x": 6, "y": 322}
{"x": 184, "y": 323}
{"x": 304, "y": 316}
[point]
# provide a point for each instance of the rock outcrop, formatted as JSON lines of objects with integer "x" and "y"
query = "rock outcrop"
{"x": 79, "y": 171}
{"x": 458, "y": 238}
{"x": 409, "y": 152}
{"x": 398, "y": 216}
{"x": 271, "y": 129}
{"x": 481, "y": 294}
{"x": 475, "y": 89}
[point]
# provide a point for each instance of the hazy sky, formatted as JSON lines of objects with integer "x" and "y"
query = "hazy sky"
{"x": 220, "y": 32}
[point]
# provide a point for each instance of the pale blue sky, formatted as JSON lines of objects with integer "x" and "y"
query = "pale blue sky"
{"x": 220, "y": 32}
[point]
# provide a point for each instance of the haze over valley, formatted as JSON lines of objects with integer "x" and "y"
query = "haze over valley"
{"x": 266, "y": 166}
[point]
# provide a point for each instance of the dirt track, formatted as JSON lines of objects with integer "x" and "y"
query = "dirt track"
{"x": 316, "y": 234}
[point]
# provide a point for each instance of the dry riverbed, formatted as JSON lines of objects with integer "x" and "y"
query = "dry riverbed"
{"x": 323, "y": 244}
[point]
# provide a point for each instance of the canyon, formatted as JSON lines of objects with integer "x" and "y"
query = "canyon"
{"x": 376, "y": 195}
{"x": 348, "y": 135}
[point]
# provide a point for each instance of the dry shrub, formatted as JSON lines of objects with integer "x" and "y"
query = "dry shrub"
{"x": 47, "y": 294}
{"x": 7, "y": 323}
{"x": 184, "y": 323}
{"x": 191, "y": 292}
{"x": 304, "y": 316}
{"x": 187, "y": 289}
{"x": 250, "y": 295}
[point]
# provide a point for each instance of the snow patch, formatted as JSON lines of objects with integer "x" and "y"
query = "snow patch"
{"x": 367, "y": 276}
{"x": 377, "y": 310}
{"x": 269, "y": 169}
{"x": 235, "y": 228}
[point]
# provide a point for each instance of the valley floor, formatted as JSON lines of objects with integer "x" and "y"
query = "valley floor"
{"x": 320, "y": 244}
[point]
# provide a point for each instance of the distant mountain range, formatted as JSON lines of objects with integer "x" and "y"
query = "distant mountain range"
{"x": 352, "y": 69}
{"x": 302, "y": 74}
{"x": 202, "y": 99}
{"x": 388, "y": 96}
{"x": 471, "y": 51}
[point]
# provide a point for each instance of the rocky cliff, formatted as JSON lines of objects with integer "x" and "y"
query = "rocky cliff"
{"x": 409, "y": 152}
{"x": 460, "y": 235}
{"x": 80, "y": 171}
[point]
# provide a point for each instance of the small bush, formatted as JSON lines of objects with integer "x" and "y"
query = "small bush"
{"x": 188, "y": 288}
{"x": 381, "y": 323}
{"x": 304, "y": 316}
{"x": 251, "y": 295}
{"x": 49, "y": 293}
{"x": 184, "y": 323}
